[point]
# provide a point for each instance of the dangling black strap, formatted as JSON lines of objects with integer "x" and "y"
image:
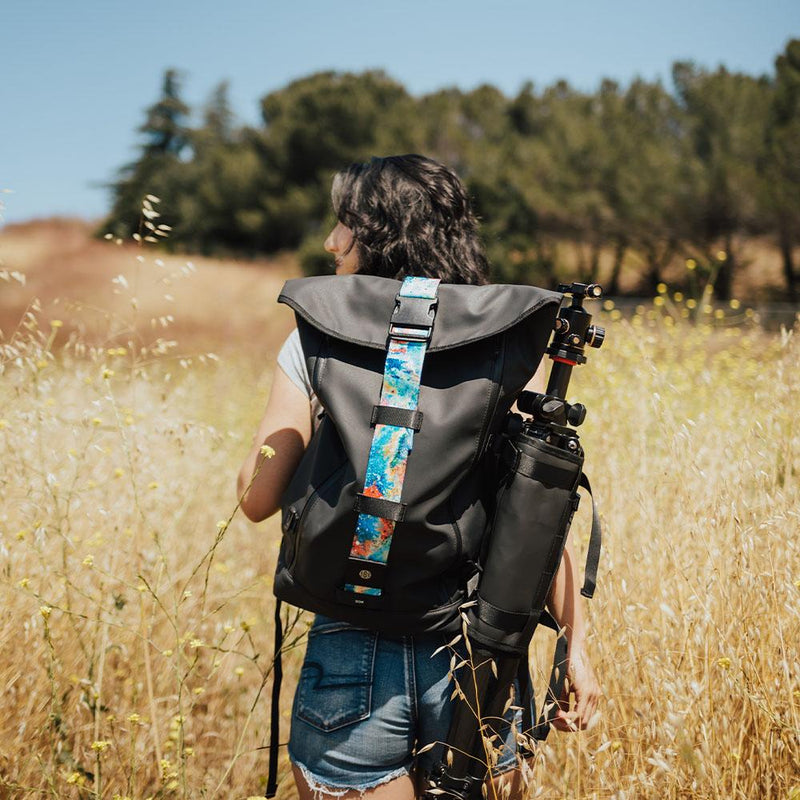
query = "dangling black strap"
{"x": 558, "y": 677}
{"x": 275, "y": 711}
{"x": 595, "y": 541}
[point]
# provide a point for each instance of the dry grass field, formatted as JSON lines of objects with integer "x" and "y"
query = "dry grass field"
{"x": 135, "y": 601}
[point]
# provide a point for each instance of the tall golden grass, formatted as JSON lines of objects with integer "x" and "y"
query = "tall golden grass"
{"x": 136, "y": 602}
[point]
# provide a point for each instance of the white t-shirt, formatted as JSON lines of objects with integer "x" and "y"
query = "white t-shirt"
{"x": 293, "y": 363}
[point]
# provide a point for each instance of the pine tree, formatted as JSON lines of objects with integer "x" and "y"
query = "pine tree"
{"x": 158, "y": 169}
{"x": 165, "y": 127}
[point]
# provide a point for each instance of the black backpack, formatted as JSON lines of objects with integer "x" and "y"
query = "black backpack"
{"x": 485, "y": 344}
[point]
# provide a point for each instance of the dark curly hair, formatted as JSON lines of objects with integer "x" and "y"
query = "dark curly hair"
{"x": 410, "y": 215}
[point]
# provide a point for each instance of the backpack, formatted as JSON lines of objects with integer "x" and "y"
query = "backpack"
{"x": 482, "y": 344}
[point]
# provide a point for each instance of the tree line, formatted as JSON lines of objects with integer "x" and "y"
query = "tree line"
{"x": 639, "y": 169}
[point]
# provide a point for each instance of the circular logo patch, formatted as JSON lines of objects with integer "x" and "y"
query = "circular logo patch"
{"x": 365, "y": 574}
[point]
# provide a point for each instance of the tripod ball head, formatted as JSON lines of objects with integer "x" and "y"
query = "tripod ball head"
{"x": 573, "y": 332}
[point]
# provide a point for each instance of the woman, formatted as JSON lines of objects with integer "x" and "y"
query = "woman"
{"x": 392, "y": 212}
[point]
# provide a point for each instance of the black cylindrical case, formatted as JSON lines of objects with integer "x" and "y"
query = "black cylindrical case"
{"x": 535, "y": 505}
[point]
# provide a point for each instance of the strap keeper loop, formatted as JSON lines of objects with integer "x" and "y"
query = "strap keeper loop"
{"x": 396, "y": 417}
{"x": 379, "y": 507}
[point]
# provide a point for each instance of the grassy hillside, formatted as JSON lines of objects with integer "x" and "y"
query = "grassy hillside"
{"x": 136, "y": 621}
{"x": 216, "y": 304}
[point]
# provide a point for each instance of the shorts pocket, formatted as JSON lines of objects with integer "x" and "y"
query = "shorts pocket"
{"x": 335, "y": 687}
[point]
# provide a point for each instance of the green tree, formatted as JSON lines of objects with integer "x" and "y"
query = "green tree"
{"x": 782, "y": 161}
{"x": 313, "y": 127}
{"x": 649, "y": 180}
{"x": 726, "y": 119}
{"x": 165, "y": 127}
{"x": 159, "y": 169}
{"x": 215, "y": 210}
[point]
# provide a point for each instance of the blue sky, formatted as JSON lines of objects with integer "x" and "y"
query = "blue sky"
{"x": 77, "y": 75}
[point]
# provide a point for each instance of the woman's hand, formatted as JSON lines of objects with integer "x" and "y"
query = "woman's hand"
{"x": 582, "y": 683}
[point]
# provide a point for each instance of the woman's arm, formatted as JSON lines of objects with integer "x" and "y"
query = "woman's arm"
{"x": 286, "y": 428}
{"x": 566, "y": 605}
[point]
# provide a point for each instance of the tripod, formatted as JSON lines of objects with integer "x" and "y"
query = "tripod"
{"x": 541, "y": 460}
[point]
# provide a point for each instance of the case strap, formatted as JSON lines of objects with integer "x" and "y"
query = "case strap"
{"x": 409, "y": 333}
{"x": 595, "y": 543}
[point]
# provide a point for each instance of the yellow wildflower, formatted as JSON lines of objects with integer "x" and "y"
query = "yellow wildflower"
{"x": 267, "y": 451}
{"x": 101, "y": 745}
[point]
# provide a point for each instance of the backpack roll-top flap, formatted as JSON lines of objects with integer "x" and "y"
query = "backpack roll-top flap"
{"x": 357, "y": 308}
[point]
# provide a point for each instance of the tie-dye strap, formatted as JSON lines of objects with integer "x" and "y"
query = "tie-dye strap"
{"x": 396, "y": 418}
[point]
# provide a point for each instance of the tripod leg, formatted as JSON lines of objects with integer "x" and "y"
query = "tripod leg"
{"x": 476, "y": 727}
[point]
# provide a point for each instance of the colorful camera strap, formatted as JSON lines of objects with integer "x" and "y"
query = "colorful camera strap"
{"x": 395, "y": 419}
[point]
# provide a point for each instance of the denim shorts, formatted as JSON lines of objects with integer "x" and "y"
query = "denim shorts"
{"x": 366, "y": 703}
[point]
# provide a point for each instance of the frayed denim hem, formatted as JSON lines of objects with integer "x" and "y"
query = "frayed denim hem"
{"x": 323, "y": 789}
